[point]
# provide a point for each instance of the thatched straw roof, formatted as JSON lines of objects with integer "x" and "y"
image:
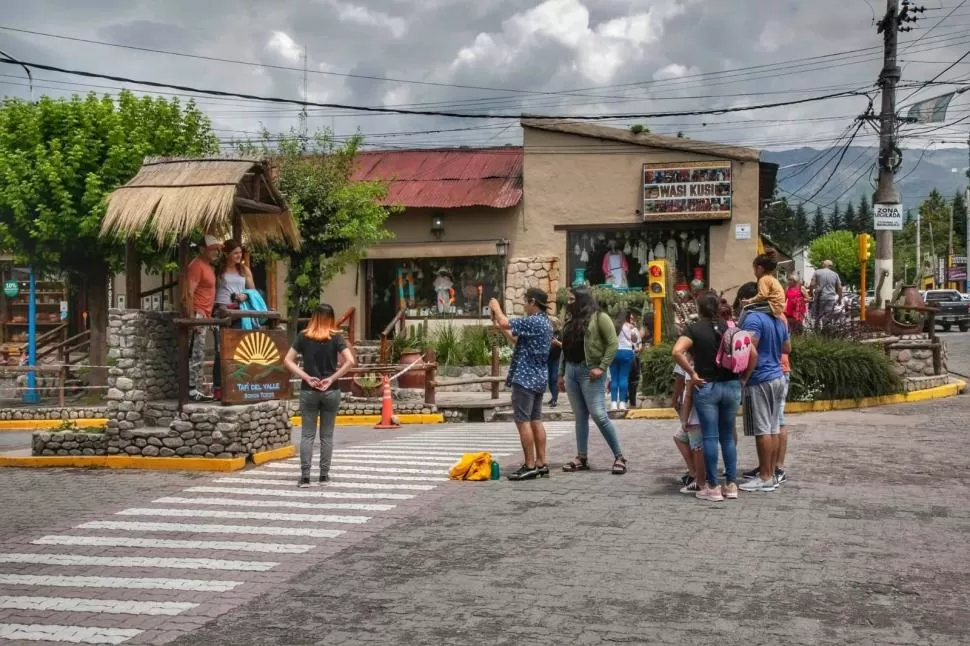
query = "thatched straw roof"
{"x": 176, "y": 196}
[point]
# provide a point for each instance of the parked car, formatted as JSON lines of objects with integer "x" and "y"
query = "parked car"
{"x": 951, "y": 308}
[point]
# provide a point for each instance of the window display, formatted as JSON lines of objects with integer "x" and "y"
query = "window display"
{"x": 619, "y": 258}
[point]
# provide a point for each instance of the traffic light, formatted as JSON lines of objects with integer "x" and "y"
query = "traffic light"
{"x": 657, "y": 279}
{"x": 863, "y": 247}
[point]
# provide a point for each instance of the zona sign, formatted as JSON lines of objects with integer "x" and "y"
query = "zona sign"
{"x": 887, "y": 217}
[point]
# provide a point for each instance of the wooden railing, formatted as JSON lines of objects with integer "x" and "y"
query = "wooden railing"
{"x": 151, "y": 292}
{"x": 399, "y": 319}
{"x": 64, "y": 349}
{"x": 350, "y": 320}
{"x": 432, "y": 382}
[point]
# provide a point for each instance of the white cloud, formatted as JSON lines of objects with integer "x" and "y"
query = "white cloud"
{"x": 347, "y": 12}
{"x": 285, "y": 46}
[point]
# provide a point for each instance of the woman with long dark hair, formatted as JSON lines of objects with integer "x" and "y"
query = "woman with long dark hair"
{"x": 589, "y": 344}
{"x": 233, "y": 278}
{"x": 717, "y": 396}
{"x": 322, "y": 348}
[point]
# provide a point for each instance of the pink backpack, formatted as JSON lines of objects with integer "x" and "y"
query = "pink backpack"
{"x": 734, "y": 353}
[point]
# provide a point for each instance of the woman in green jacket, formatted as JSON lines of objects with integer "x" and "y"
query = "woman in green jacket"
{"x": 589, "y": 344}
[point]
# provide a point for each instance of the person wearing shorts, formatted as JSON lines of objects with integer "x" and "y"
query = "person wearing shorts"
{"x": 763, "y": 397}
{"x": 689, "y": 439}
{"x": 527, "y": 376}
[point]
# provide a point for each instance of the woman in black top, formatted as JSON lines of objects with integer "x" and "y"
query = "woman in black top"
{"x": 717, "y": 395}
{"x": 555, "y": 357}
{"x": 326, "y": 358}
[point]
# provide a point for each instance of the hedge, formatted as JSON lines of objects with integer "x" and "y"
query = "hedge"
{"x": 821, "y": 369}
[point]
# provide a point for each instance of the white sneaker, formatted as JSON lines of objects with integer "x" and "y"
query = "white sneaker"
{"x": 757, "y": 484}
{"x": 613, "y": 406}
{"x": 623, "y": 406}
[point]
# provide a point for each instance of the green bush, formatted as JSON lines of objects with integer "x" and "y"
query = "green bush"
{"x": 834, "y": 369}
{"x": 468, "y": 346}
{"x": 821, "y": 369}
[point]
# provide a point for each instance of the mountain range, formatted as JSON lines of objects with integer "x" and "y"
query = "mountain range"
{"x": 804, "y": 171}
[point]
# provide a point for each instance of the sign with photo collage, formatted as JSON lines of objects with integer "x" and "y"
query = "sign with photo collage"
{"x": 687, "y": 191}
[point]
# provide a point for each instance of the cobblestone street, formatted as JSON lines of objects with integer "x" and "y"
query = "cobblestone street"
{"x": 868, "y": 543}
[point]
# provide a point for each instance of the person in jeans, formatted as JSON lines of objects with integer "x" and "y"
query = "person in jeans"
{"x": 588, "y": 344}
{"x": 527, "y": 376}
{"x": 326, "y": 358}
{"x": 717, "y": 395}
{"x": 764, "y": 389}
{"x": 233, "y": 278}
{"x": 555, "y": 356}
{"x": 628, "y": 340}
{"x": 199, "y": 300}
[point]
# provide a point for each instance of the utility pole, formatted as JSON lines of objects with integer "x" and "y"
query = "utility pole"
{"x": 949, "y": 246}
{"x": 966, "y": 240}
{"x": 304, "y": 129}
{"x": 886, "y": 198}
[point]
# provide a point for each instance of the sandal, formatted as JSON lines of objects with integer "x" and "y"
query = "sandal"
{"x": 578, "y": 463}
{"x": 619, "y": 466}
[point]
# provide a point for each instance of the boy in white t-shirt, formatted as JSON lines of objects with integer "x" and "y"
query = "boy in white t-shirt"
{"x": 689, "y": 440}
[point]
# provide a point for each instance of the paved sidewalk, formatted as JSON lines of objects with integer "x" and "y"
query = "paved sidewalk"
{"x": 867, "y": 544}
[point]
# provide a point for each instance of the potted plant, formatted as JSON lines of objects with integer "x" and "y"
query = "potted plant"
{"x": 413, "y": 343}
{"x": 366, "y": 385}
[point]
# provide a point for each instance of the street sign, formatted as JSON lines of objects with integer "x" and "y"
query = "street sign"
{"x": 959, "y": 260}
{"x": 887, "y": 217}
{"x": 11, "y": 288}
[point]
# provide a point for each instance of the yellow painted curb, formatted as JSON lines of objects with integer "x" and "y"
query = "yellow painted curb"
{"x": 940, "y": 392}
{"x": 124, "y": 462}
{"x": 274, "y": 454}
{"x": 48, "y": 424}
{"x": 370, "y": 420}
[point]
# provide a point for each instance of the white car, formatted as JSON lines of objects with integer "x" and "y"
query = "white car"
{"x": 965, "y": 297}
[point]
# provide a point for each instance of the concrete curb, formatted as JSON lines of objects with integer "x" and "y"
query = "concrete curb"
{"x": 795, "y": 408}
{"x": 218, "y": 465}
{"x": 342, "y": 420}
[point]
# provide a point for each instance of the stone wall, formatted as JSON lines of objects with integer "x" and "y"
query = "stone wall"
{"x": 144, "y": 349}
{"x": 54, "y": 413}
{"x": 69, "y": 443}
{"x": 523, "y": 273}
{"x": 911, "y": 358}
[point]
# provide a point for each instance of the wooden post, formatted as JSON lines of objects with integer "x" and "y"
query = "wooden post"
{"x": 495, "y": 371}
{"x": 430, "y": 376}
{"x": 182, "y": 333}
{"x": 132, "y": 275}
{"x": 61, "y": 380}
{"x": 237, "y": 225}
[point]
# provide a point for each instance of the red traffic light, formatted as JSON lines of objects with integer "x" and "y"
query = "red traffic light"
{"x": 655, "y": 271}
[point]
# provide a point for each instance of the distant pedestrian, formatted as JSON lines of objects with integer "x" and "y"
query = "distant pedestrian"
{"x": 555, "y": 357}
{"x": 764, "y": 389}
{"x": 826, "y": 291}
{"x": 796, "y": 304}
{"x": 628, "y": 340}
{"x": 527, "y": 376}
{"x": 717, "y": 395}
{"x": 589, "y": 344}
{"x": 326, "y": 358}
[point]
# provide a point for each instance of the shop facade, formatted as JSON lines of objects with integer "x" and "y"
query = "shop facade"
{"x": 576, "y": 203}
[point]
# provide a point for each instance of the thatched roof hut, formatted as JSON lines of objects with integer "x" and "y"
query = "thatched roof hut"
{"x": 221, "y": 196}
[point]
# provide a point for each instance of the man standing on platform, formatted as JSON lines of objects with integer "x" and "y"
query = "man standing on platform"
{"x": 199, "y": 298}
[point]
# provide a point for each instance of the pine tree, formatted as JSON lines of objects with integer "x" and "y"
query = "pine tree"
{"x": 864, "y": 215}
{"x": 959, "y": 221}
{"x": 819, "y": 227}
{"x": 849, "y": 220}
{"x": 801, "y": 232}
{"x": 835, "y": 222}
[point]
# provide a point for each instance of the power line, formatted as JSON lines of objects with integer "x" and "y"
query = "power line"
{"x": 438, "y": 113}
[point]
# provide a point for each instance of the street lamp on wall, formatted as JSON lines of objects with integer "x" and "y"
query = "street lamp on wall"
{"x": 502, "y": 247}
{"x": 437, "y": 225}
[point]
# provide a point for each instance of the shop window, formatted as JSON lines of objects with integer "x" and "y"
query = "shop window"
{"x": 606, "y": 257}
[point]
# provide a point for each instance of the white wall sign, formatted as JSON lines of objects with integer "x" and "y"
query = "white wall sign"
{"x": 742, "y": 231}
{"x": 887, "y": 217}
{"x": 63, "y": 310}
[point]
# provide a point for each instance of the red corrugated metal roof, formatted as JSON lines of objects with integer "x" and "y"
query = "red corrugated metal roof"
{"x": 446, "y": 178}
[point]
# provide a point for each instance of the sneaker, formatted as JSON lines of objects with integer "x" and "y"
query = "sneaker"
{"x": 730, "y": 491}
{"x": 199, "y": 396}
{"x": 552, "y": 404}
{"x": 624, "y": 406}
{"x": 323, "y": 479}
{"x": 685, "y": 479}
{"x": 690, "y": 488}
{"x": 780, "y": 476}
{"x": 613, "y": 406}
{"x": 712, "y": 494}
{"x": 542, "y": 470}
{"x": 304, "y": 483}
{"x": 757, "y": 484}
{"x": 752, "y": 474}
{"x": 524, "y": 473}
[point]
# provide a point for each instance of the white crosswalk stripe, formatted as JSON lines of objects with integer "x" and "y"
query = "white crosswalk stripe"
{"x": 251, "y": 513}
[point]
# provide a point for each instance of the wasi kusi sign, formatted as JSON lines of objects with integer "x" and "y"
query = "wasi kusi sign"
{"x": 687, "y": 191}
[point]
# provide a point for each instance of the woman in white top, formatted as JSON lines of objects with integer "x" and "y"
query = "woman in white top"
{"x": 233, "y": 278}
{"x": 629, "y": 343}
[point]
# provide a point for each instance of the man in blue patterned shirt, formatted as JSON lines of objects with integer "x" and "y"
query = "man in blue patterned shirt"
{"x": 528, "y": 375}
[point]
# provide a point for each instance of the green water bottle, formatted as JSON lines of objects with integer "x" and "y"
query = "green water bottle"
{"x": 496, "y": 471}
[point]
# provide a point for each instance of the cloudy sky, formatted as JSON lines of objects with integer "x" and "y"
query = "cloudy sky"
{"x": 565, "y": 57}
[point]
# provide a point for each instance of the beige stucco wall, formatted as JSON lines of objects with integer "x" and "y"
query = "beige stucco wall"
{"x": 598, "y": 183}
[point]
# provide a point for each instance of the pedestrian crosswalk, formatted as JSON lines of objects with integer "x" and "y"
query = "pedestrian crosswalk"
{"x": 230, "y": 533}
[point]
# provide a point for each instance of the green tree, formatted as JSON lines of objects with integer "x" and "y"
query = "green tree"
{"x": 801, "y": 228}
{"x": 842, "y": 248}
{"x": 836, "y": 223}
{"x": 59, "y": 158}
{"x": 849, "y": 222}
{"x": 819, "y": 226}
{"x": 959, "y": 222}
{"x": 864, "y": 215}
{"x": 934, "y": 216}
{"x": 338, "y": 219}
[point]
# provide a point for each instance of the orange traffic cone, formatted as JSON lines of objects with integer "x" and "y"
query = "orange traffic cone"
{"x": 387, "y": 408}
